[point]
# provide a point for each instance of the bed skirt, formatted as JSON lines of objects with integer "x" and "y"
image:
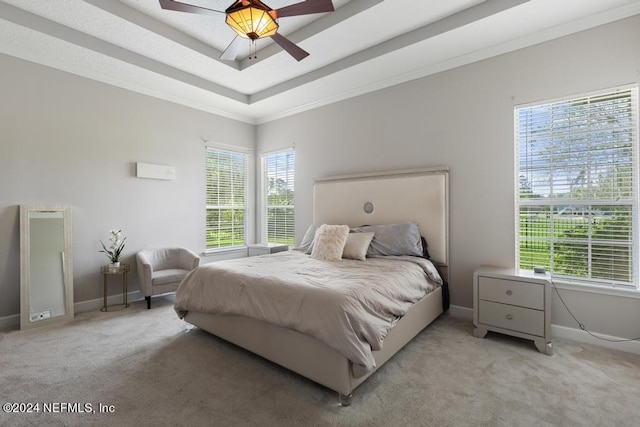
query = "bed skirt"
{"x": 309, "y": 357}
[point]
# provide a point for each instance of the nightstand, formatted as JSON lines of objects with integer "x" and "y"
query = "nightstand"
{"x": 266, "y": 248}
{"x": 513, "y": 302}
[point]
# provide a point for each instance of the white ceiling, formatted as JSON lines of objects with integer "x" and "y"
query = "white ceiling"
{"x": 363, "y": 46}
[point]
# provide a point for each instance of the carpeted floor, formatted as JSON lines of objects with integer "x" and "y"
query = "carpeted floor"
{"x": 146, "y": 368}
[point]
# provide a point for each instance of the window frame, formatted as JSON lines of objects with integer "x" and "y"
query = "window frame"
{"x": 264, "y": 196}
{"x": 553, "y": 202}
{"x": 233, "y": 151}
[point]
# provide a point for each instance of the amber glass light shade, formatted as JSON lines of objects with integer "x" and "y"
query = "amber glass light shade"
{"x": 251, "y": 19}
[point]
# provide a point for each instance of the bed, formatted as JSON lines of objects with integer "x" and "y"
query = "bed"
{"x": 418, "y": 196}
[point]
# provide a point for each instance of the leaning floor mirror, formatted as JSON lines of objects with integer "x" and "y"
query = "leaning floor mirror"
{"x": 46, "y": 265}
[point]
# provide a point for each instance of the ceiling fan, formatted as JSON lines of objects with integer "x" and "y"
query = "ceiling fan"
{"x": 252, "y": 19}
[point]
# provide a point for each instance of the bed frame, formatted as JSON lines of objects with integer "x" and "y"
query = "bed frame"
{"x": 419, "y": 195}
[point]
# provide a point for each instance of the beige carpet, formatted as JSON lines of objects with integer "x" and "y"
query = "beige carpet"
{"x": 152, "y": 371}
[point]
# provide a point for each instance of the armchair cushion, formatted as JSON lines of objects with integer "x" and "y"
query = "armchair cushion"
{"x": 162, "y": 277}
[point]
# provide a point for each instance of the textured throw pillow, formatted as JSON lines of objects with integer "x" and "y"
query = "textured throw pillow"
{"x": 329, "y": 242}
{"x": 357, "y": 246}
{"x": 394, "y": 239}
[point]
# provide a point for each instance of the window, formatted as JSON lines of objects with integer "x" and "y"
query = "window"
{"x": 226, "y": 198}
{"x": 278, "y": 198}
{"x": 577, "y": 199}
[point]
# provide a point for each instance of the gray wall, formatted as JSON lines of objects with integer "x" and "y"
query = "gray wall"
{"x": 70, "y": 140}
{"x": 463, "y": 118}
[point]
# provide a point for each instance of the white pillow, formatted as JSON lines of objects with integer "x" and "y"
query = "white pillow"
{"x": 329, "y": 242}
{"x": 357, "y": 245}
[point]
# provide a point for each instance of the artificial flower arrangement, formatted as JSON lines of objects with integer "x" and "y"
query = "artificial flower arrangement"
{"x": 117, "y": 245}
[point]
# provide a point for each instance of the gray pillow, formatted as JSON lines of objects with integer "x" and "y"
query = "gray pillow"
{"x": 306, "y": 245}
{"x": 393, "y": 239}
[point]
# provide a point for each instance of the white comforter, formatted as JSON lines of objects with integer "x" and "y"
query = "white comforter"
{"x": 348, "y": 305}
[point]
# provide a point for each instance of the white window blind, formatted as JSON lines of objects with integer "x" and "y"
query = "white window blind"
{"x": 577, "y": 197}
{"x": 226, "y": 196}
{"x": 278, "y": 197}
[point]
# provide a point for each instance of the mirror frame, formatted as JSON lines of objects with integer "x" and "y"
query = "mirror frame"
{"x": 25, "y": 265}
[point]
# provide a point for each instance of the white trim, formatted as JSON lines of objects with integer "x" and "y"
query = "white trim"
{"x": 512, "y": 45}
{"x": 573, "y": 96}
{"x": 581, "y": 336}
{"x": 460, "y": 312}
{"x": 228, "y": 249}
{"x": 618, "y": 291}
{"x": 390, "y": 174}
{"x": 227, "y": 147}
{"x": 291, "y": 147}
{"x": 565, "y": 332}
{"x": 97, "y": 303}
{"x": 12, "y": 322}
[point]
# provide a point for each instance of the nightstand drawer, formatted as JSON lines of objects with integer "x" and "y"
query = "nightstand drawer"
{"x": 523, "y": 294}
{"x": 511, "y": 317}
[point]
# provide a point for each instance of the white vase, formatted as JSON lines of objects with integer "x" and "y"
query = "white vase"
{"x": 115, "y": 264}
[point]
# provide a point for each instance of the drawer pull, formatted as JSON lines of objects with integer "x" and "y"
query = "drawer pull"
{"x": 509, "y": 316}
{"x": 509, "y": 292}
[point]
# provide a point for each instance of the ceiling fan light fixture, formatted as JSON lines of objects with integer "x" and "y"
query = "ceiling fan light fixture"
{"x": 251, "y": 19}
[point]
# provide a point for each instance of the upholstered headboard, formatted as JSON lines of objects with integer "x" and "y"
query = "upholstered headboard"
{"x": 416, "y": 195}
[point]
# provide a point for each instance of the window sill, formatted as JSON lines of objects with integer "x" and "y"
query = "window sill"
{"x": 212, "y": 252}
{"x": 619, "y": 291}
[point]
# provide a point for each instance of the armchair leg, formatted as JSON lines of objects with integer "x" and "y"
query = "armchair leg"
{"x": 148, "y": 302}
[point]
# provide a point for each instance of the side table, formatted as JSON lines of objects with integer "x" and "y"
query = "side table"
{"x": 266, "y": 248}
{"x": 108, "y": 270}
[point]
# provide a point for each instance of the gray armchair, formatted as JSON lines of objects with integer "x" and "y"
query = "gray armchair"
{"x": 161, "y": 270}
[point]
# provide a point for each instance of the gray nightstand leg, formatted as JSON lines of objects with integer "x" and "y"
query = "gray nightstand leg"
{"x": 479, "y": 332}
{"x": 544, "y": 347}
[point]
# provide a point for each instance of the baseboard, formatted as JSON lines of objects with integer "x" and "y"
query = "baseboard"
{"x": 10, "y": 322}
{"x": 460, "y": 312}
{"x": 565, "y": 332}
{"x": 96, "y": 304}
{"x": 557, "y": 331}
{"x": 13, "y": 321}
{"x": 609, "y": 341}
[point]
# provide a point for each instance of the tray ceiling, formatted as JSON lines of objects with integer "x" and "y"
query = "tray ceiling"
{"x": 364, "y": 45}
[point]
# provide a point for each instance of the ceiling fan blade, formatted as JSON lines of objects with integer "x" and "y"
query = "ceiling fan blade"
{"x": 183, "y": 7}
{"x": 293, "y": 49}
{"x": 306, "y": 8}
{"x": 231, "y": 52}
